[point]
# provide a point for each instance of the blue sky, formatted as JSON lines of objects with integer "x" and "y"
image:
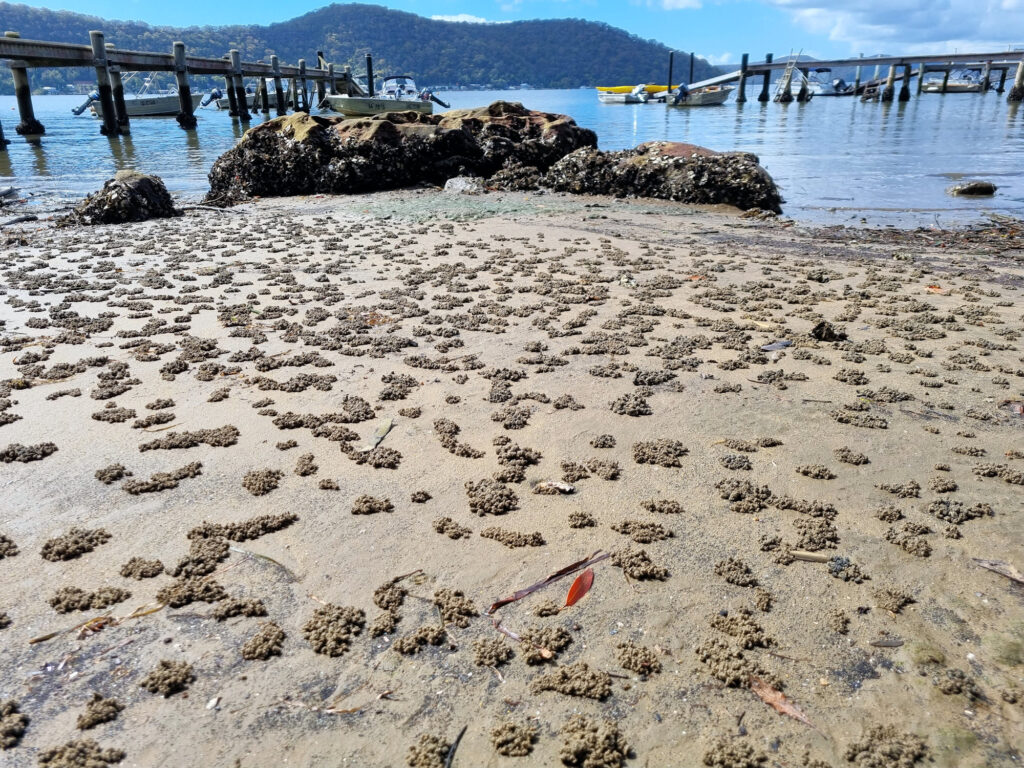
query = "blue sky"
{"x": 719, "y": 30}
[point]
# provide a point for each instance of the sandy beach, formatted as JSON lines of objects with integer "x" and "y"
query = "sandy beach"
{"x": 346, "y": 426}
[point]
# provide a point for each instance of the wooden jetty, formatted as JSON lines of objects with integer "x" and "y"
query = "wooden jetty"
{"x": 109, "y": 61}
{"x": 986, "y": 63}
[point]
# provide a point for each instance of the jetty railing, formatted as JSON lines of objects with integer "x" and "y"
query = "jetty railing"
{"x": 109, "y": 61}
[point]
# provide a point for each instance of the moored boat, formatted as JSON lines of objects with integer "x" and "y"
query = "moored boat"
{"x": 398, "y": 93}
{"x": 965, "y": 84}
{"x": 702, "y": 97}
{"x": 652, "y": 89}
{"x": 636, "y": 95}
{"x": 142, "y": 103}
{"x": 149, "y": 106}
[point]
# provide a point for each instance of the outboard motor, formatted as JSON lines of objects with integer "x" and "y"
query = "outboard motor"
{"x": 93, "y": 96}
{"x": 428, "y": 96}
{"x": 680, "y": 94}
{"x": 839, "y": 85}
{"x": 211, "y": 97}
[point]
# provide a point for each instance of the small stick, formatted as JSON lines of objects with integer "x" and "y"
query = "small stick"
{"x": 453, "y": 747}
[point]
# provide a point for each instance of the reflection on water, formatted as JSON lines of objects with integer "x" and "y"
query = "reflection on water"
{"x": 865, "y": 159}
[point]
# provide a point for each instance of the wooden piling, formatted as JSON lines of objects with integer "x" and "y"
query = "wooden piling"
{"x": 99, "y": 58}
{"x": 29, "y": 127}
{"x": 945, "y": 80}
{"x": 671, "y": 63}
{"x": 321, "y": 86}
{"x": 905, "y": 87}
{"x": 920, "y": 78}
{"x": 804, "y": 95}
{"x": 856, "y": 78}
{"x": 120, "y": 107}
{"x": 763, "y": 96}
{"x": 229, "y": 89}
{"x": 889, "y": 91}
{"x": 186, "y": 115}
{"x": 1017, "y": 90}
{"x": 1002, "y": 80}
{"x": 369, "y": 76}
{"x": 236, "y": 79}
{"x": 303, "y": 93}
{"x": 264, "y": 97}
{"x": 3, "y": 141}
{"x": 330, "y": 79}
{"x": 282, "y": 103}
{"x": 741, "y": 93}
{"x": 986, "y": 77}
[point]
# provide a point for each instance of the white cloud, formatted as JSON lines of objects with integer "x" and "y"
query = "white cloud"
{"x": 913, "y": 26}
{"x": 464, "y": 18}
{"x": 676, "y": 5}
{"x": 725, "y": 58}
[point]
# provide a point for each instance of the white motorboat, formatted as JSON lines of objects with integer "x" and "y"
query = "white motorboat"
{"x": 398, "y": 93}
{"x": 962, "y": 83}
{"x": 638, "y": 95}
{"x": 702, "y": 97}
{"x": 142, "y": 103}
{"x": 818, "y": 85}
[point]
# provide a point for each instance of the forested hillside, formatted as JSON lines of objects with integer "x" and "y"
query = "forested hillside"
{"x": 564, "y": 53}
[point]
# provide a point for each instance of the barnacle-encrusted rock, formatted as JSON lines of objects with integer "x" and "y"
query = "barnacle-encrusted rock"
{"x": 129, "y": 196}
{"x": 669, "y": 171}
{"x": 303, "y": 154}
{"x": 512, "y": 147}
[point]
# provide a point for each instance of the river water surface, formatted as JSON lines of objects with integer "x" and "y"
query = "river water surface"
{"x": 837, "y": 160}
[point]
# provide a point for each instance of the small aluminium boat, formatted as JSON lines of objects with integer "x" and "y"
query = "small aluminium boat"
{"x": 398, "y": 93}
{"x": 636, "y": 95}
{"x": 702, "y": 97}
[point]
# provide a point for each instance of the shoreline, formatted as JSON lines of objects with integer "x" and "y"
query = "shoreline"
{"x": 479, "y": 338}
{"x": 980, "y": 221}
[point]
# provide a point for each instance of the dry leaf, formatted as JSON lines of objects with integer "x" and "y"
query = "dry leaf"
{"x": 934, "y": 289}
{"x": 580, "y": 587}
{"x": 777, "y": 701}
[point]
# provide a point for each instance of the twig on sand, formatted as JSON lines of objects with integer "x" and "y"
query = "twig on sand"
{"x": 453, "y": 747}
{"x": 99, "y": 623}
{"x": 211, "y": 208}
{"x": 570, "y": 569}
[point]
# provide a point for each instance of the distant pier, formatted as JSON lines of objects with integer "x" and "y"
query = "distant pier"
{"x": 901, "y": 69}
{"x": 109, "y": 62}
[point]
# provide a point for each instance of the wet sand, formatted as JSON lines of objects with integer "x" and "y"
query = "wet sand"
{"x": 801, "y": 519}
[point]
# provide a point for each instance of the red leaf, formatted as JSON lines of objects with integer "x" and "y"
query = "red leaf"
{"x": 580, "y": 587}
{"x": 777, "y": 701}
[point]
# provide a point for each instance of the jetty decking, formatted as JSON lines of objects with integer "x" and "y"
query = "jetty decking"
{"x": 109, "y": 61}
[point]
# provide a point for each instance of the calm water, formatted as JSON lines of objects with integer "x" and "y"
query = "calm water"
{"x": 837, "y": 160}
